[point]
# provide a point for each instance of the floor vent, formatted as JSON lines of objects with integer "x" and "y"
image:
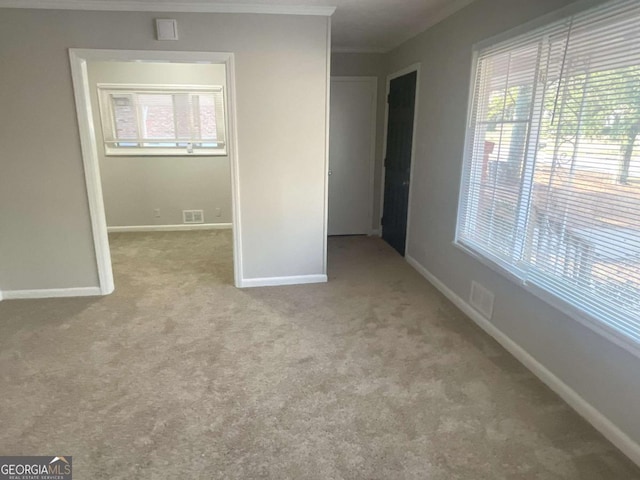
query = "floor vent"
{"x": 482, "y": 299}
{"x": 192, "y": 216}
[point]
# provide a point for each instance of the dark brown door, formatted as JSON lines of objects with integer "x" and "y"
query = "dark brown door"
{"x": 401, "y": 99}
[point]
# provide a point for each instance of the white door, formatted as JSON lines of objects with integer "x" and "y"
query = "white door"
{"x": 351, "y": 154}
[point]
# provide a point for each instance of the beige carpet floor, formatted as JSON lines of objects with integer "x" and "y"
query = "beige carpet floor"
{"x": 374, "y": 375}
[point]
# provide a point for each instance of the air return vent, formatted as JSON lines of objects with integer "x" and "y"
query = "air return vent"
{"x": 192, "y": 216}
{"x": 481, "y": 299}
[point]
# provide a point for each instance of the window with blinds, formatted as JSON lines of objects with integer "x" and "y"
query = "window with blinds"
{"x": 551, "y": 183}
{"x": 162, "y": 120}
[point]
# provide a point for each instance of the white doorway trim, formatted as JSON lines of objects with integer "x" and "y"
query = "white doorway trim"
{"x": 411, "y": 68}
{"x": 327, "y": 127}
{"x": 79, "y": 58}
{"x": 373, "y": 82}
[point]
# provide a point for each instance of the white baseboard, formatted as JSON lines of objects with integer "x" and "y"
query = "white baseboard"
{"x": 51, "y": 293}
{"x": 605, "y": 426}
{"x": 375, "y": 233}
{"x": 170, "y": 228}
{"x": 275, "y": 281}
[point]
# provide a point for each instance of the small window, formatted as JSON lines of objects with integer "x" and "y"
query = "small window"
{"x": 162, "y": 120}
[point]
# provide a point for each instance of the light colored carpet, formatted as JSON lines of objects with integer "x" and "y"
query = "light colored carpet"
{"x": 372, "y": 376}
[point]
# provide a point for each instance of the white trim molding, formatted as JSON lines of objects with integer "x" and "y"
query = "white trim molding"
{"x": 371, "y": 50}
{"x": 327, "y": 127}
{"x": 275, "y": 281}
{"x": 601, "y": 423}
{"x": 193, "y": 6}
{"x": 51, "y": 293}
{"x": 169, "y": 228}
{"x": 82, "y": 94}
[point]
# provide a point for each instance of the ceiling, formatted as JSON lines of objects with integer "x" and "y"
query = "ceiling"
{"x": 373, "y": 25}
{"x": 380, "y": 25}
{"x": 357, "y": 25}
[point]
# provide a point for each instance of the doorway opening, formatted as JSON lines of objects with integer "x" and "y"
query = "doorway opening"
{"x": 159, "y": 149}
{"x": 402, "y": 94}
{"x": 351, "y": 155}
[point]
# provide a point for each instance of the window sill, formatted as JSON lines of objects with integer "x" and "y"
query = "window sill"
{"x": 584, "y": 318}
{"x": 494, "y": 265}
{"x": 164, "y": 153}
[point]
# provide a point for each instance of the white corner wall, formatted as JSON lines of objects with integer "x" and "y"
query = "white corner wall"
{"x": 133, "y": 187}
{"x": 281, "y": 82}
{"x": 597, "y": 377}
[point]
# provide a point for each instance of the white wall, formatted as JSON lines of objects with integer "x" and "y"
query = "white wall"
{"x": 281, "y": 80}
{"x": 602, "y": 373}
{"x": 133, "y": 187}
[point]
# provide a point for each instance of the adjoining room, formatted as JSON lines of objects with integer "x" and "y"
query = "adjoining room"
{"x": 160, "y": 131}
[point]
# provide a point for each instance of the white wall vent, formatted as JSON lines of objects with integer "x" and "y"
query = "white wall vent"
{"x": 166, "y": 29}
{"x": 192, "y": 216}
{"x": 482, "y": 299}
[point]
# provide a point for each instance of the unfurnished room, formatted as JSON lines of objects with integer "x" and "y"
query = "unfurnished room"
{"x": 320, "y": 239}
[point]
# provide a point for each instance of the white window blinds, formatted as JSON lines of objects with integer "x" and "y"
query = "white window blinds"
{"x": 551, "y": 183}
{"x": 148, "y": 119}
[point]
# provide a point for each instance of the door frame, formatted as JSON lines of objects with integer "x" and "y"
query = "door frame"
{"x": 78, "y": 58}
{"x": 373, "y": 82}
{"x": 415, "y": 67}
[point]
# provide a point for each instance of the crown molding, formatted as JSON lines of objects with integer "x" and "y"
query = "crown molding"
{"x": 359, "y": 50}
{"x": 198, "y": 6}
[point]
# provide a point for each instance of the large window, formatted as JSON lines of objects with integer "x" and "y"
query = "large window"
{"x": 162, "y": 120}
{"x": 551, "y": 183}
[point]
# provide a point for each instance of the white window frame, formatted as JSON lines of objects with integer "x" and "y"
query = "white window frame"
{"x": 107, "y": 118}
{"x": 518, "y": 273}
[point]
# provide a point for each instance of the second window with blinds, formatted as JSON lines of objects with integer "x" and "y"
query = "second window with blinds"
{"x": 551, "y": 183}
{"x": 162, "y": 120}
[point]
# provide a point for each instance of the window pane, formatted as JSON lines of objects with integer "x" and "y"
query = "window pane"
{"x": 124, "y": 117}
{"x": 207, "y": 117}
{"x": 157, "y": 116}
{"x": 503, "y": 109}
{"x": 587, "y": 179}
{"x": 183, "y": 112}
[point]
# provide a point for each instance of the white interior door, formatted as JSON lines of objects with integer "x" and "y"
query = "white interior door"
{"x": 351, "y": 154}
